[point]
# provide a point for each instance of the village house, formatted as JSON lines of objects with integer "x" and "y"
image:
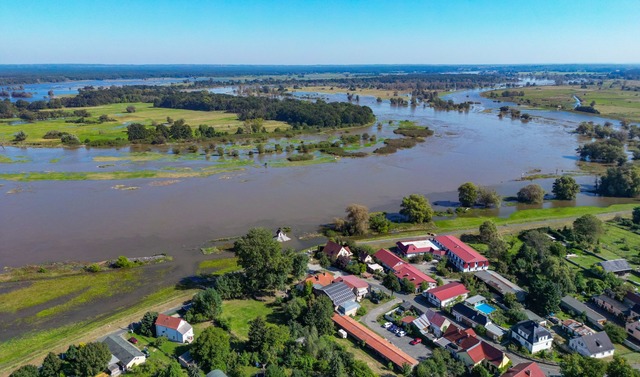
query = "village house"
{"x": 124, "y": 354}
{"x": 174, "y": 328}
{"x": 576, "y": 308}
{"x": 596, "y": 345}
{"x": 364, "y": 257}
{"x": 631, "y": 299}
{"x": 420, "y": 247}
{"x": 530, "y": 369}
{"x": 532, "y": 336}
{"x": 463, "y": 257}
{"x": 470, "y": 316}
{"x": 342, "y": 297}
{"x": 319, "y": 280}
{"x": 333, "y": 251}
{"x": 633, "y": 328}
{"x": 500, "y": 284}
{"x": 432, "y": 321}
{"x": 359, "y": 287}
{"x": 466, "y": 347}
{"x": 446, "y": 295}
{"x": 611, "y": 305}
{"x": 575, "y": 328}
{"x": 403, "y": 270}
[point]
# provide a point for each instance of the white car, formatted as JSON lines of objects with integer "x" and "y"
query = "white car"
{"x": 401, "y": 333}
{"x": 387, "y": 325}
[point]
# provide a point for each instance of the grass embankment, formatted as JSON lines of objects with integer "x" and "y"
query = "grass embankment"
{"x": 219, "y": 266}
{"x": 33, "y": 347}
{"x": 77, "y": 290}
{"x": 145, "y": 113}
{"x": 609, "y": 98}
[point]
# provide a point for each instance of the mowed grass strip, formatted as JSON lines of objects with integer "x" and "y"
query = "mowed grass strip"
{"x": 220, "y": 266}
{"x": 145, "y": 113}
{"x": 81, "y": 289}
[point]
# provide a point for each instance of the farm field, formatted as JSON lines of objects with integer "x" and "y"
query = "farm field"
{"x": 145, "y": 113}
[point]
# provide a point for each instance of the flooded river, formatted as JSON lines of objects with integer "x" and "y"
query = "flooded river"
{"x": 90, "y": 221}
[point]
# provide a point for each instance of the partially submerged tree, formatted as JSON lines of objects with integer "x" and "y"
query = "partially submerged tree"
{"x": 357, "y": 219}
{"x": 467, "y": 194}
{"x": 417, "y": 208}
{"x": 531, "y": 194}
{"x": 565, "y": 188}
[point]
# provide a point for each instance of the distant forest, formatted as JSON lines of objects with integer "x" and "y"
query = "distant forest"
{"x": 298, "y": 113}
{"x": 28, "y": 74}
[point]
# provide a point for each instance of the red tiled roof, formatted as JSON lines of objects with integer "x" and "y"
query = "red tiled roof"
{"x": 332, "y": 249}
{"x": 373, "y": 340}
{"x": 454, "y": 333}
{"x": 408, "y": 319}
{"x": 321, "y": 278}
{"x": 448, "y": 291}
{"x": 413, "y": 274}
{"x": 168, "y": 322}
{"x": 525, "y": 370}
{"x": 353, "y": 281}
{"x": 388, "y": 258}
{"x": 461, "y": 249}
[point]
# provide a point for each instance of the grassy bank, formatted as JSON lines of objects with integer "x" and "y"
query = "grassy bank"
{"x": 610, "y": 99}
{"x": 145, "y": 113}
{"x": 32, "y": 347}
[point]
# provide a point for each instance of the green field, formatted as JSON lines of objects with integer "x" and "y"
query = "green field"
{"x": 219, "y": 266}
{"x": 619, "y": 243}
{"x": 145, "y": 114}
{"x": 240, "y": 312}
{"x": 610, "y": 99}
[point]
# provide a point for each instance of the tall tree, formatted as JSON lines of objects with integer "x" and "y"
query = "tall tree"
{"x": 488, "y": 232}
{"x": 488, "y": 197}
{"x": 358, "y": 218}
{"x": 416, "y": 208}
{"x": 565, "y": 188}
{"x": 206, "y": 306}
{"x": 91, "y": 359}
{"x": 261, "y": 256}
{"x": 467, "y": 194}
{"x": 147, "y": 324}
{"x": 211, "y": 349}
{"x": 25, "y": 371}
{"x": 51, "y": 366}
{"x": 319, "y": 315}
{"x": 588, "y": 228}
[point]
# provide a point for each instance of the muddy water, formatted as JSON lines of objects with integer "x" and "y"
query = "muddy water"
{"x": 89, "y": 220}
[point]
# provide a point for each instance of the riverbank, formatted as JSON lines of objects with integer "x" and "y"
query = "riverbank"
{"x": 609, "y": 98}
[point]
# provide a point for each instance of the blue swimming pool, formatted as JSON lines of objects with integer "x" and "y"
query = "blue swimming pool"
{"x": 485, "y": 308}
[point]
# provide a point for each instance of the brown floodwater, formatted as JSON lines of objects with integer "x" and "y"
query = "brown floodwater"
{"x": 90, "y": 221}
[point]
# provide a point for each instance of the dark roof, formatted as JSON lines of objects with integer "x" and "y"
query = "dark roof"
{"x": 598, "y": 342}
{"x": 471, "y": 313}
{"x": 612, "y": 302}
{"x": 123, "y": 350}
{"x": 632, "y": 297}
{"x": 531, "y": 331}
{"x": 616, "y": 265}
{"x": 578, "y": 307}
{"x": 338, "y": 293}
{"x": 500, "y": 283}
{"x": 332, "y": 249}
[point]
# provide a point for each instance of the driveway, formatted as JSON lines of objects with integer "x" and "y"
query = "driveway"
{"x": 418, "y": 352}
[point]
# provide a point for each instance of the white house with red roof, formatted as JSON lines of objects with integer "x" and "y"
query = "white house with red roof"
{"x": 447, "y": 294}
{"x": 420, "y": 247}
{"x": 360, "y": 287}
{"x": 461, "y": 255}
{"x": 174, "y": 328}
{"x": 402, "y": 269}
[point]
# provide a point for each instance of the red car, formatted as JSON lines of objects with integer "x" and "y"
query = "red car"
{"x": 133, "y": 340}
{"x": 415, "y": 341}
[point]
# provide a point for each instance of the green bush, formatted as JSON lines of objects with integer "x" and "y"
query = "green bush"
{"x": 93, "y": 267}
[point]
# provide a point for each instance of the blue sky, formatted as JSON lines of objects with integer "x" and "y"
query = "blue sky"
{"x": 320, "y": 32}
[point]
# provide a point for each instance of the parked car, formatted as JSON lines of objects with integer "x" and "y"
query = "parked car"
{"x": 387, "y": 325}
{"x": 392, "y": 328}
{"x": 401, "y": 333}
{"x": 415, "y": 341}
{"x": 133, "y": 340}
